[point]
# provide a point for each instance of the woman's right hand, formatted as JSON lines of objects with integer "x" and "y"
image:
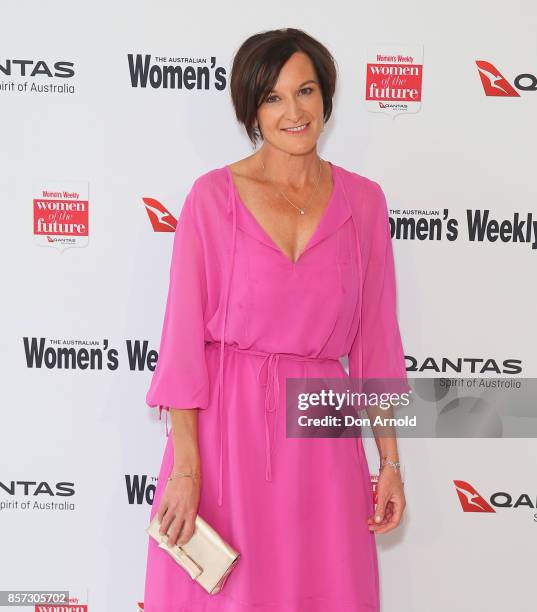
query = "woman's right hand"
{"x": 179, "y": 507}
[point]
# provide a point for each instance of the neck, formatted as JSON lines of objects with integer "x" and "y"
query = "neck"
{"x": 288, "y": 170}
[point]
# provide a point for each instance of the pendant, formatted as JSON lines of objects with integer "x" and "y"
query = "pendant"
{"x": 302, "y": 211}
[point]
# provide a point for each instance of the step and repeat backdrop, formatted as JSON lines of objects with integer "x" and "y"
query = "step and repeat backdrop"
{"x": 108, "y": 114}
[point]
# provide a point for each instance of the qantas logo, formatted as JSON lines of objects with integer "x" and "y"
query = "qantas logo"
{"x": 471, "y": 500}
{"x": 461, "y": 364}
{"x": 161, "y": 218}
{"x": 495, "y": 84}
{"x": 31, "y": 488}
{"x": 32, "y": 68}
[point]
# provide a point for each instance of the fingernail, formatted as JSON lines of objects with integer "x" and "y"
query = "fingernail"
{"x": 377, "y": 518}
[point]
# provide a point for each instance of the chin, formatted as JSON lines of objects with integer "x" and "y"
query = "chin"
{"x": 302, "y": 145}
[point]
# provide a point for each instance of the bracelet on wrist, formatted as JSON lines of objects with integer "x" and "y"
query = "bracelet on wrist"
{"x": 193, "y": 475}
{"x": 395, "y": 464}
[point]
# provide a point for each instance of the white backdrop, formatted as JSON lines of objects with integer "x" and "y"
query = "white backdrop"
{"x": 104, "y": 145}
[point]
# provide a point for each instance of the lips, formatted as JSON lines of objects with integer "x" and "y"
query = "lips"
{"x": 296, "y": 130}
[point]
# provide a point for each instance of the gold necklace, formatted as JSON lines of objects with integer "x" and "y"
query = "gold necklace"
{"x": 299, "y": 208}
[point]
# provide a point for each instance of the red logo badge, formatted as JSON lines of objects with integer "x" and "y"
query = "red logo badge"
{"x": 471, "y": 500}
{"x": 494, "y": 83}
{"x": 161, "y": 218}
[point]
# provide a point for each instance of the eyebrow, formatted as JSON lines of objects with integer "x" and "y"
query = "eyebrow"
{"x": 301, "y": 85}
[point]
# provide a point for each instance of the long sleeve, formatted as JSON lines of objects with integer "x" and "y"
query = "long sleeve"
{"x": 180, "y": 379}
{"x": 377, "y": 350}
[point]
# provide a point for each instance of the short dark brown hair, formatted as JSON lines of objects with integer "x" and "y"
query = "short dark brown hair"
{"x": 258, "y": 62}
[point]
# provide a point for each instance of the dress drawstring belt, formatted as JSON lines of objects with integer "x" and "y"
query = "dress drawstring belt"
{"x": 272, "y": 398}
{"x": 272, "y": 375}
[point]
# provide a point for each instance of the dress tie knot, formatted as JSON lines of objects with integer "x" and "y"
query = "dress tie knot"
{"x": 272, "y": 395}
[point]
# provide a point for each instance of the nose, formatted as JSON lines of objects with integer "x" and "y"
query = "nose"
{"x": 293, "y": 110}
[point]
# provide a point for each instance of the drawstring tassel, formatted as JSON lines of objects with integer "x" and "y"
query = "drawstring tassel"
{"x": 160, "y": 409}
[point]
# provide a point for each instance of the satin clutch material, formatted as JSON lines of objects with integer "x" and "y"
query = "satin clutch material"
{"x": 206, "y": 557}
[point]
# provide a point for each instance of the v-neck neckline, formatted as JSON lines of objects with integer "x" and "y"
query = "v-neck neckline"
{"x": 264, "y": 232}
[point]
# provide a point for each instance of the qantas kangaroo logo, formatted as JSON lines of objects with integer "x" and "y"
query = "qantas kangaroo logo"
{"x": 471, "y": 500}
{"x": 494, "y": 83}
{"x": 161, "y": 218}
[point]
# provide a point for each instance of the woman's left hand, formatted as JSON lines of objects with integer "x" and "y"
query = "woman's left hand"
{"x": 390, "y": 501}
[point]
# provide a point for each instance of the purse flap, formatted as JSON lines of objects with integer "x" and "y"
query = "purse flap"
{"x": 175, "y": 551}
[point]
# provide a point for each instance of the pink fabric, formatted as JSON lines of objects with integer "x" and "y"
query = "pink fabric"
{"x": 240, "y": 318}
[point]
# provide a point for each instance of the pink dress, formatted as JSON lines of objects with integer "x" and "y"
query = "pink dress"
{"x": 240, "y": 318}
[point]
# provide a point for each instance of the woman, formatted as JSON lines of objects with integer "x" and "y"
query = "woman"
{"x": 282, "y": 263}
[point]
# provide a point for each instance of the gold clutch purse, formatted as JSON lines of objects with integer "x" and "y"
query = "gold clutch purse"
{"x": 206, "y": 557}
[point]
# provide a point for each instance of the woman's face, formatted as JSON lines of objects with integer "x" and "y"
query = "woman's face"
{"x": 295, "y": 101}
